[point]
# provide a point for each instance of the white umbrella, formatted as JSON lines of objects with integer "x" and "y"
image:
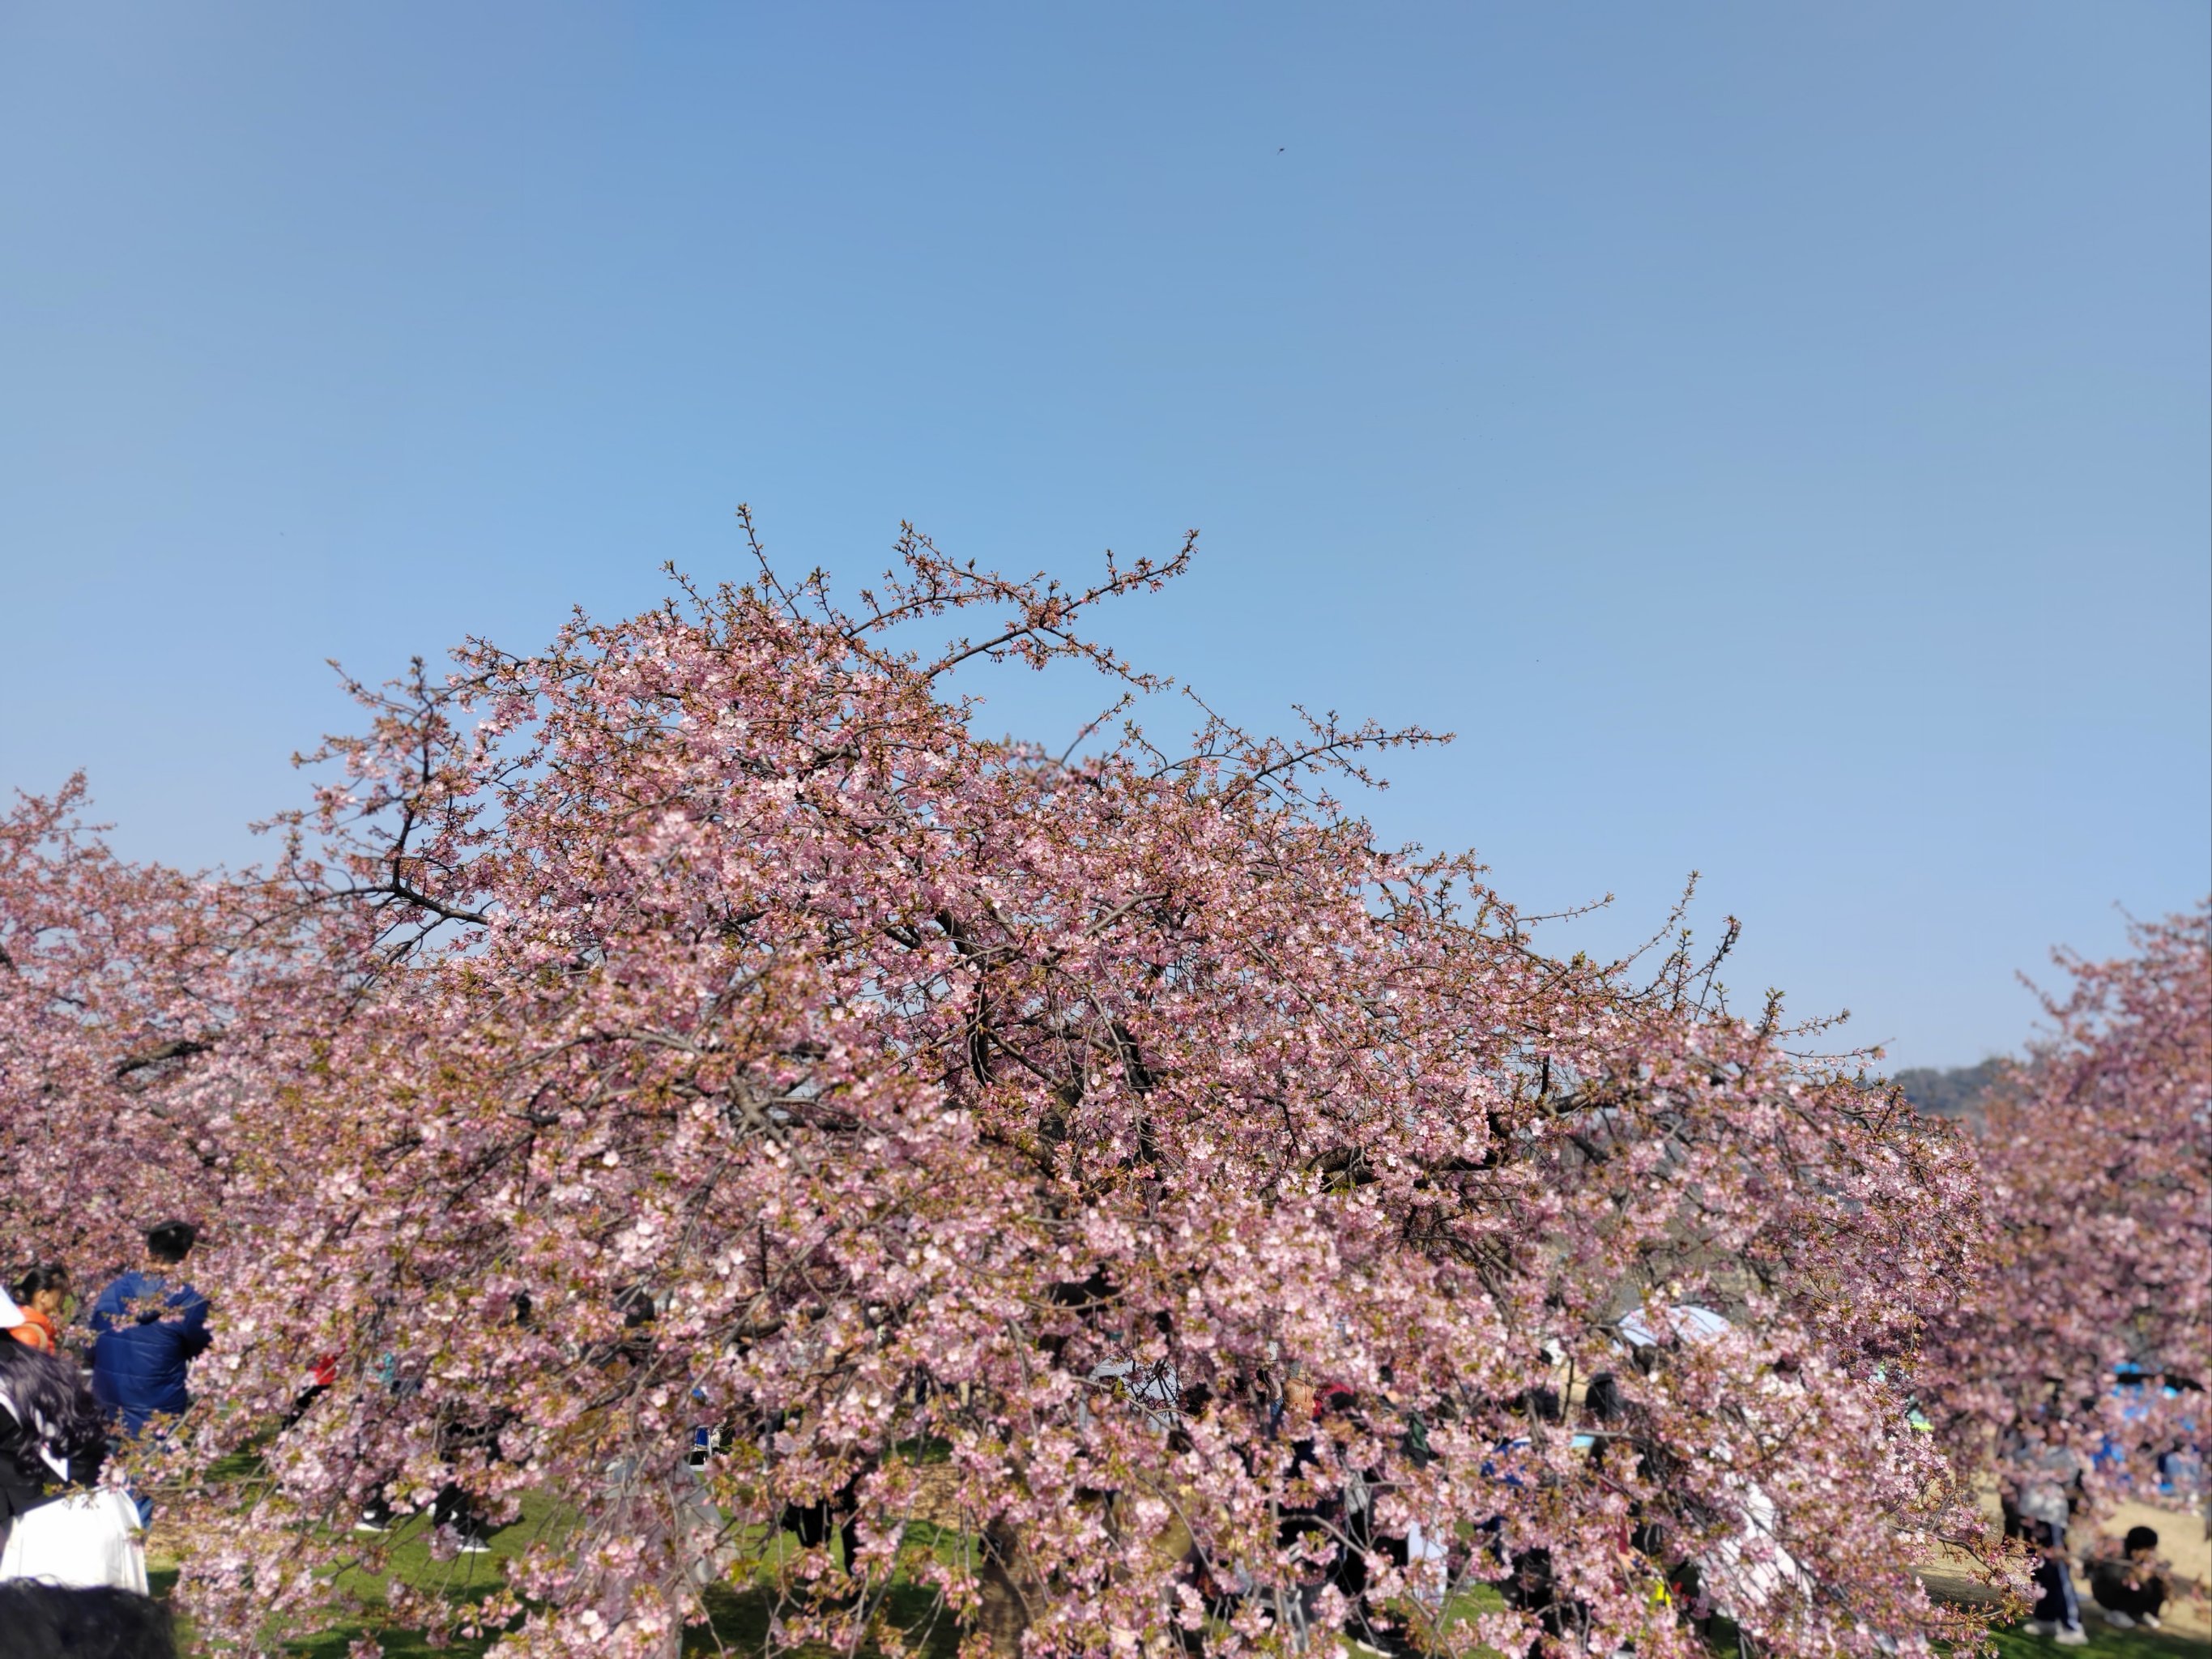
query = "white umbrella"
{"x": 1648, "y": 1327}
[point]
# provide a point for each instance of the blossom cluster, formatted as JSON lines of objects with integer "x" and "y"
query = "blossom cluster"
{"x": 689, "y": 1078}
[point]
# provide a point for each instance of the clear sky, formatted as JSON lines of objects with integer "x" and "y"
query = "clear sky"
{"x": 1775, "y": 438}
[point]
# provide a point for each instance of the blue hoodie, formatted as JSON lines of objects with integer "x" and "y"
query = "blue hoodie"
{"x": 138, "y": 1362}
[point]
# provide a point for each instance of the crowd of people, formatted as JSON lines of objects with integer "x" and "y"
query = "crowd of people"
{"x": 72, "y": 1391}
{"x": 72, "y": 1552}
{"x": 1333, "y": 1519}
{"x": 2128, "y": 1582}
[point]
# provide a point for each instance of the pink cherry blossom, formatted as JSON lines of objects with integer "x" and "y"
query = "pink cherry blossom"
{"x": 994, "y": 1139}
{"x": 2096, "y": 1170}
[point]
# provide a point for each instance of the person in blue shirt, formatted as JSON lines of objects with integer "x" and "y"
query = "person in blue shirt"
{"x": 150, "y": 1325}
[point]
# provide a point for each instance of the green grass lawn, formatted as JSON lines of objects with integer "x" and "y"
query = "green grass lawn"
{"x": 740, "y": 1613}
{"x": 2104, "y": 1643}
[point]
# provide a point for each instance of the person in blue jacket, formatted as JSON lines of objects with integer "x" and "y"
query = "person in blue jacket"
{"x": 149, "y": 1326}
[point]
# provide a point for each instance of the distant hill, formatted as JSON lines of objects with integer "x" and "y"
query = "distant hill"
{"x": 1948, "y": 1092}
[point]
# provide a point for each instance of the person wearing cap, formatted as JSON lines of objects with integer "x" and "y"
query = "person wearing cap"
{"x": 149, "y": 1327}
{"x": 2128, "y": 1586}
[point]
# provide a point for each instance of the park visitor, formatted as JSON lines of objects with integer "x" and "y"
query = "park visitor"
{"x": 42, "y": 1297}
{"x": 2129, "y": 1585}
{"x": 2057, "y": 1611}
{"x": 55, "y": 1524}
{"x": 50, "y": 1428}
{"x": 59, "y": 1621}
{"x": 147, "y": 1331}
{"x": 2042, "y": 1482}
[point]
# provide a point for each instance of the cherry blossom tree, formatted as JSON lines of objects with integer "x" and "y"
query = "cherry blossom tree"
{"x": 117, "y": 984}
{"x": 2097, "y": 1162}
{"x": 688, "y": 1080}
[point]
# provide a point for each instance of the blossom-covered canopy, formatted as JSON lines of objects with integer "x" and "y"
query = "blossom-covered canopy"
{"x": 689, "y": 1077}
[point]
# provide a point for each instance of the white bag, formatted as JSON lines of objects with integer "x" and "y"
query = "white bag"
{"x": 81, "y": 1541}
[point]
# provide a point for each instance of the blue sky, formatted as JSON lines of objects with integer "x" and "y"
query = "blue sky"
{"x": 1774, "y": 437}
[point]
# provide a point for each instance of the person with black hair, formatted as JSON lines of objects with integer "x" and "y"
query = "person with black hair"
{"x": 56, "y": 1523}
{"x": 1315, "y": 1520}
{"x": 1603, "y": 1401}
{"x": 42, "y": 1297}
{"x": 50, "y": 1621}
{"x": 2129, "y": 1585}
{"x": 2057, "y": 1611}
{"x": 50, "y": 1432}
{"x": 149, "y": 1326}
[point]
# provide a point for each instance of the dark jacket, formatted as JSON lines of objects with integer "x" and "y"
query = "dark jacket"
{"x": 138, "y": 1361}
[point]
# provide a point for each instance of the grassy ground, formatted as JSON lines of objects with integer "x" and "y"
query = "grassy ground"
{"x": 740, "y": 1614}
{"x": 2104, "y": 1643}
{"x": 739, "y": 1622}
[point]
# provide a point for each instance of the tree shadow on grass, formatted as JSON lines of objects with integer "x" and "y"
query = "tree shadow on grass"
{"x": 739, "y": 1619}
{"x": 2104, "y": 1643}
